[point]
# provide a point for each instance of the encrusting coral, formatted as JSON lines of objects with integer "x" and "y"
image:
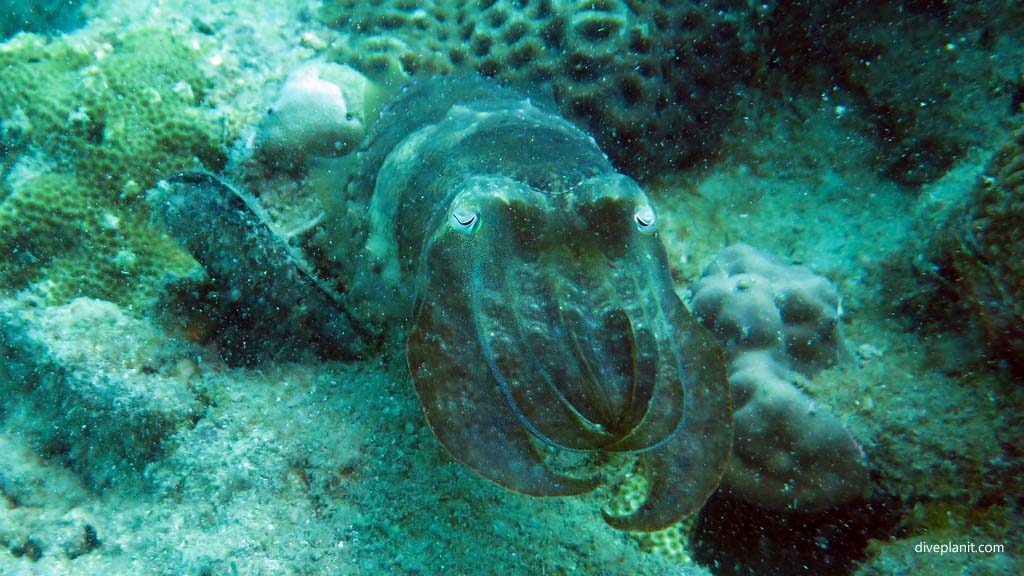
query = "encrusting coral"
{"x": 87, "y": 126}
{"x": 779, "y": 323}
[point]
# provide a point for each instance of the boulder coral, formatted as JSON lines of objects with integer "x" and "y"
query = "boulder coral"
{"x": 753, "y": 302}
{"x": 654, "y": 82}
{"x": 778, "y": 324}
{"x": 87, "y": 126}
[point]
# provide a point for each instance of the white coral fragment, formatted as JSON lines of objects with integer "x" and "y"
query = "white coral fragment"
{"x": 321, "y": 110}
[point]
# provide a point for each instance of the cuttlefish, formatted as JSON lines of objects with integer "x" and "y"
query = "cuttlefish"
{"x": 530, "y": 283}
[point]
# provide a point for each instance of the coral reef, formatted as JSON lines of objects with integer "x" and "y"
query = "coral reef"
{"x": 654, "y": 82}
{"x": 87, "y": 127}
{"x": 778, "y": 322}
{"x": 319, "y": 466}
{"x": 788, "y": 452}
{"x": 27, "y": 486}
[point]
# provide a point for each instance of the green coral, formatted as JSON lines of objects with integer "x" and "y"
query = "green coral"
{"x": 87, "y": 127}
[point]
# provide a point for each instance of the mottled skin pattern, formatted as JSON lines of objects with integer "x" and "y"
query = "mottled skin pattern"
{"x": 259, "y": 288}
{"x": 542, "y": 309}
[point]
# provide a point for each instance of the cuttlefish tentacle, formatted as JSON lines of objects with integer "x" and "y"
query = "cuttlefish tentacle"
{"x": 463, "y": 384}
{"x": 552, "y": 381}
{"x": 684, "y": 471}
{"x": 470, "y": 420}
{"x": 522, "y": 359}
{"x": 550, "y": 408}
{"x": 515, "y": 318}
{"x": 559, "y": 372}
{"x": 666, "y": 410}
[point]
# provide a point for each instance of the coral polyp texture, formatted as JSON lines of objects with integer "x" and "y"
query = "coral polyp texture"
{"x": 89, "y": 125}
{"x": 778, "y": 324}
{"x": 655, "y": 82}
{"x": 985, "y": 250}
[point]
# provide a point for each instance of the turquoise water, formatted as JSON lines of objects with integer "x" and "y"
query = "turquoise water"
{"x": 276, "y": 302}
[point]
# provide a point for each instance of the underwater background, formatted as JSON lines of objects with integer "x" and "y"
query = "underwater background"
{"x": 875, "y": 149}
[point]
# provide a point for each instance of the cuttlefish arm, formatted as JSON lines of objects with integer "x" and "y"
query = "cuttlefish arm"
{"x": 471, "y": 420}
{"x": 459, "y": 382}
{"x": 545, "y": 322}
{"x": 683, "y": 467}
{"x": 686, "y": 470}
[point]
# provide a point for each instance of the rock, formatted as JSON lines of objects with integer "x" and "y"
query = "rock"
{"x": 85, "y": 384}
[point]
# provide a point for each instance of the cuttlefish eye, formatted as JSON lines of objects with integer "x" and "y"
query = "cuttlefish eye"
{"x": 645, "y": 219}
{"x": 464, "y": 220}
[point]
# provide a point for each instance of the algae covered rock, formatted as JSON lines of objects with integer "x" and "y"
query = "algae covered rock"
{"x": 88, "y": 125}
{"x": 91, "y": 386}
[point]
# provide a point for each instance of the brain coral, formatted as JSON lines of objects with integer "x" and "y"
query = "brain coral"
{"x": 86, "y": 127}
{"x": 653, "y": 81}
